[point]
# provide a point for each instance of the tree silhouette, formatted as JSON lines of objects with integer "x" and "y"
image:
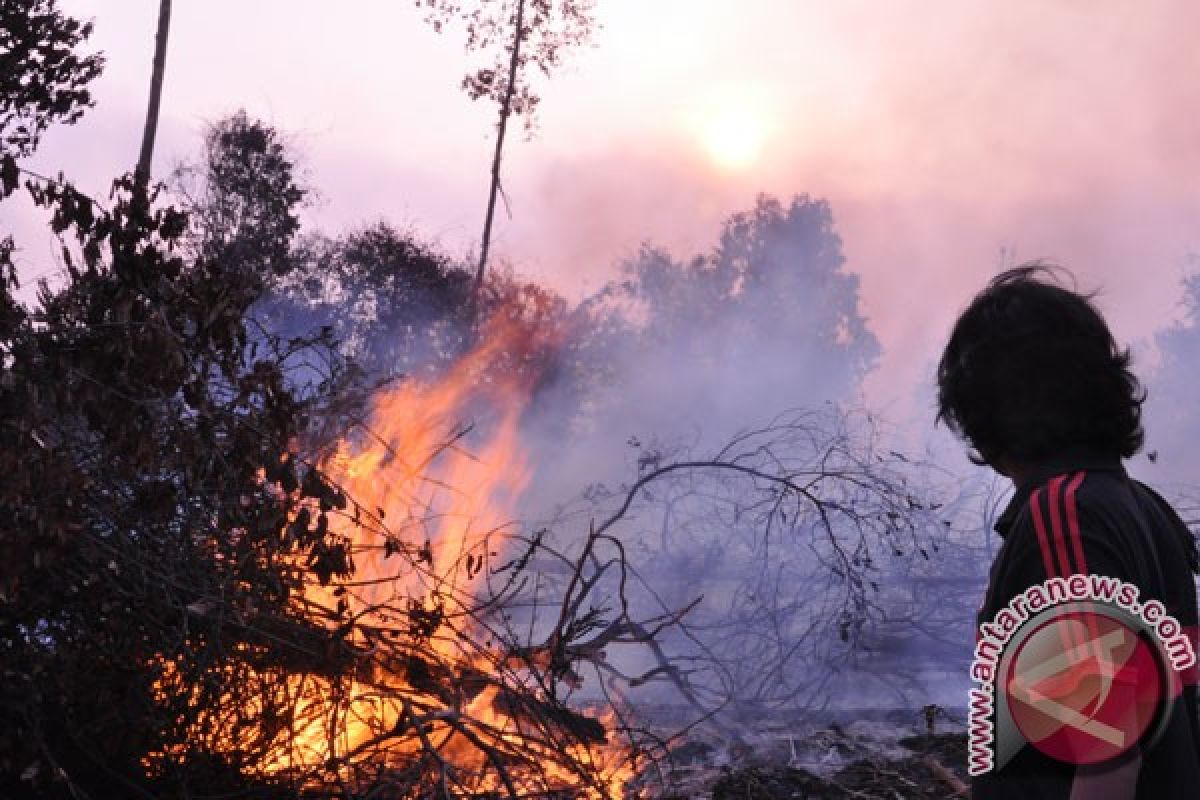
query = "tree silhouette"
{"x": 243, "y": 198}
{"x": 523, "y": 34}
{"x": 767, "y": 320}
{"x": 146, "y": 153}
{"x": 43, "y": 81}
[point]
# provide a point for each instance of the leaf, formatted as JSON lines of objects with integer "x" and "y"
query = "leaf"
{"x": 10, "y": 176}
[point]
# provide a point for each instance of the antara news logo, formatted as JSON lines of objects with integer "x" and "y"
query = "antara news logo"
{"x": 1078, "y": 667}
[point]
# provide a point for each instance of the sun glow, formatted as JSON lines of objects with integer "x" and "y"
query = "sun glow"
{"x": 733, "y": 126}
{"x": 734, "y": 138}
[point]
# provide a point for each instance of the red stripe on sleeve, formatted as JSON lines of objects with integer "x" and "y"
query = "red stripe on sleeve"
{"x": 1073, "y": 522}
{"x": 1065, "y": 631}
{"x": 1060, "y": 545}
{"x": 1076, "y": 538}
{"x": 1043, "y": 541}
{"x": 1191, "y": 675}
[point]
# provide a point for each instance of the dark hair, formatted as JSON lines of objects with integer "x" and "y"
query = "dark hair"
{"x": 1031, "y": 368}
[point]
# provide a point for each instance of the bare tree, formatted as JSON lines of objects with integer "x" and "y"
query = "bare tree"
{"x": 534, "y": 32}
{"x": 156, "y": 82}
{"x": 501, "y": 128}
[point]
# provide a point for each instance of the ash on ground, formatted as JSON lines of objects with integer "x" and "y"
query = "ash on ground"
{"x": 894, "y": 755}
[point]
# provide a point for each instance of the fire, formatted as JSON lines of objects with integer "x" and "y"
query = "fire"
{"x": 425, "y": 489}
{"x": 430, "y": 511}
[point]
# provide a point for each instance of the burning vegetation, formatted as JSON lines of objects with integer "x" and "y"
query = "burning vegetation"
{"x": 420, "y": 681}
{"x": 265, "y": 527}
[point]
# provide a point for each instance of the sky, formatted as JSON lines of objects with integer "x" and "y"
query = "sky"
{"x": 949, "y": 137}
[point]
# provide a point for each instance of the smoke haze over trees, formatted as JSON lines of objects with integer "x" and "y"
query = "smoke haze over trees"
{"x": 692, "y": 434}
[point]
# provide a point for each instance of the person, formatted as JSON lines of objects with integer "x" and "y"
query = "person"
{"x": 1033, "y": 381}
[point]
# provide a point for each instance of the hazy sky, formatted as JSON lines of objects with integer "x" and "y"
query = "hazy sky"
{"x": 942, "y": 133}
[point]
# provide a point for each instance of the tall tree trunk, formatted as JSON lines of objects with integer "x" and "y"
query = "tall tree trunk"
{"x": 156, "y": 80}
{"x": 505, "y": 111}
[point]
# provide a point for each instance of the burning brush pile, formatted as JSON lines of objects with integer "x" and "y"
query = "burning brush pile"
{"x": 430, "y": 657}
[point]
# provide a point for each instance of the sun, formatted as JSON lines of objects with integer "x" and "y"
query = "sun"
{"x": 732, "y": 126}
{"x": 734, "y": 139}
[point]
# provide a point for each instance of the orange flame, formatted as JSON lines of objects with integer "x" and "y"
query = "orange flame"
{"x": 419, "y": 492}
{"x": 423, "y": 486}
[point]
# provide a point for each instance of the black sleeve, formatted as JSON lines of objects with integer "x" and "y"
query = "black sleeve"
{"x": 1057, "y": 536}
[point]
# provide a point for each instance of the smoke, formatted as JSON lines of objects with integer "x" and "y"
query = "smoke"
{"x": 752, "y": 354}
{"x": 755, "y": 350}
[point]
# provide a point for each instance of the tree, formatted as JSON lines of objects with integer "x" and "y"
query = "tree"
{"x": 146, "y": 154}
{"x": 243, "y": 199}
{"x": 768, "y": 319}
{"x": 787, "y": 266}
{"x": 400, "y": 307}
{"x": 396, "y": 305}
{"x": 177, "y": 608}
{"x": 776, "y": 274}
{"x": 43, "y": 80}
{"x": 138, "y": 421}
{"x": 534, "y": 32}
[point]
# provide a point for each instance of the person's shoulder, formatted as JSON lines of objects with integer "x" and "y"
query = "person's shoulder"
{"x": 1157, "y": 498}
{"x": 1070, "y": 494}
{"x": 1069, "y": 521}
{"x": 1061, "y": 496}
{"x": 1184, "y": 536}
{"x": 1102, "y": 491}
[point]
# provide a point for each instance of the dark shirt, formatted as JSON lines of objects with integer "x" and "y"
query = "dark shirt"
{"x": 1123, "y": 529}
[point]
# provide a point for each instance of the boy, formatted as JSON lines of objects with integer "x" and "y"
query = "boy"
{"x": 1034, "y": 382}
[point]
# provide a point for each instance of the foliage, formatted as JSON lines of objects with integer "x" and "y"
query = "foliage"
{"x": 399, "y": 307}
{"x": 776, "y": 274}
{"x": 396, "y": 305}
{"x": 243, "y": 197}
{"x": 139, "y": 419}
{"x": 549, "y": 29}
{"x": 43, "y": 81}
{"x": 164, "y": 530}
{"x": 768, "y": 319}
{"x": 150, "y": 475}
